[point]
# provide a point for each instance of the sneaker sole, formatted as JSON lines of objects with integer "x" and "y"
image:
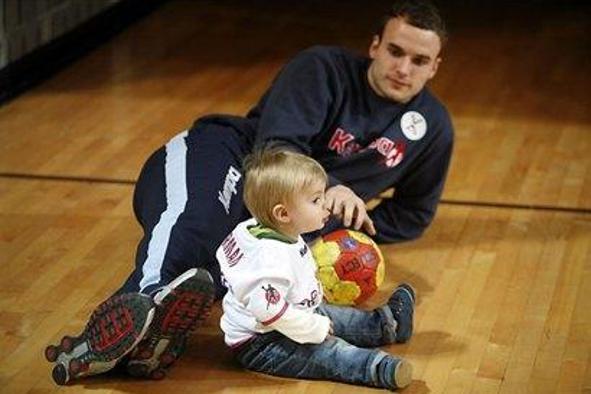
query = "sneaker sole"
{"x": 403, "y": 374}
{"x": 115, "y": 327}
{"x": 181, "y": 307}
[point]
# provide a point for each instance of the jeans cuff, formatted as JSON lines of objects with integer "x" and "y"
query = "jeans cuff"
{"x": 373, "y": 368}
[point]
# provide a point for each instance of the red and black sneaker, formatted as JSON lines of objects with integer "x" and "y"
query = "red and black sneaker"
{"x": 180, "y": 307}
{"x": 115, "y": 327}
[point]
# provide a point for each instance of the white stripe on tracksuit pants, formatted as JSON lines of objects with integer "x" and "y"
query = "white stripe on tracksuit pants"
{"x": 188, "y": 198}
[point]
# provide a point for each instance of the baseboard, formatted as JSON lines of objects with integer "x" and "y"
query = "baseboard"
{"x": 45, "y": 61}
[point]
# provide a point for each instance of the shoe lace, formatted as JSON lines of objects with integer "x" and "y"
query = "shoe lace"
{"x": 398, "y": 305}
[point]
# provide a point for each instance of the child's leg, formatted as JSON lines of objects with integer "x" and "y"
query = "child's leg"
{"x": 334, "y": 359}
{"x": 361, "y": 328}
{"x": 384, "y": 325}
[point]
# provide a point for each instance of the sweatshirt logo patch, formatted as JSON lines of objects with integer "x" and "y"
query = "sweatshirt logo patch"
{"x": 413, "y": 125}
{"x": 272, "y": 296}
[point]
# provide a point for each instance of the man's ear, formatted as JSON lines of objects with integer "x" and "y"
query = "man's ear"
{"x": 280, "y": 214}
{"x": 435, "y": 67}
{"x": 373, "y": 47}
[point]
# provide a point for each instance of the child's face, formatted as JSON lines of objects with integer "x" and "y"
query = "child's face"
{"x": 307, "y": 211}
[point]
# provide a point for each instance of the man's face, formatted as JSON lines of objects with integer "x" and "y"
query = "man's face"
{"x": 404, "y": 59}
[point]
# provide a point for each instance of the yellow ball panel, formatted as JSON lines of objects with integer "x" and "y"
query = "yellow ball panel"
{"x": 328, "y": 277}
{"x": 345, "y": 293}
{"x": 325, "y": 253}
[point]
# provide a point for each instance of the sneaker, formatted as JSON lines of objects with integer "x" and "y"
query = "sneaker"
{"x": 115, "y": 327}
{"x": 402, "y": 305}
{"x": 402, "y": 373}
{"x": 180, "y": 307}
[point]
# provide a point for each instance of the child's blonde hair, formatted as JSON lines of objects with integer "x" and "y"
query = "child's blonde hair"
{"x": 275, "y": 176}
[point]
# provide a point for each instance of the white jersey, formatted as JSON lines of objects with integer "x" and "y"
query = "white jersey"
{"x": 271, "y": 284}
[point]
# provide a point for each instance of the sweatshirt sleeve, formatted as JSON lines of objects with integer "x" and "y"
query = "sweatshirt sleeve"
{"x": 266, "y": 300}
{"x": 302, "y": 327}
{"x": 409, "y": 212}
{"x": 298, "y": 103}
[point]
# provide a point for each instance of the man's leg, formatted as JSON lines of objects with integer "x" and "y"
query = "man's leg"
{"x": 188, "y": 197}
{"x": 334, "y": 359}
{"x": 181, "y": 306}
{"x": 200, "y": 181}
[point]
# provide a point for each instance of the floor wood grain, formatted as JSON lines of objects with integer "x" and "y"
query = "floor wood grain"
{"x": 503, "y": 284}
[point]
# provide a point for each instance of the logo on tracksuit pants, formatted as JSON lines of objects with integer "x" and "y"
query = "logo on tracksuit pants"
{"x": 229, "y": 189}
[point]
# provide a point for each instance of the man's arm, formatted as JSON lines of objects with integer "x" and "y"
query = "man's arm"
{"x": 410, "y": 211}
{"x": 299, "y": 102}
{"x": 295, "y": 110}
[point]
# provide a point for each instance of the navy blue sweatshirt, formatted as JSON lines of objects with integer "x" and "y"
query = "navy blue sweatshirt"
{"x": 322, "y": 105}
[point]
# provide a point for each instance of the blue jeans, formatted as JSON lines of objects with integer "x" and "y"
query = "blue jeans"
{"x": 345, "y": 357}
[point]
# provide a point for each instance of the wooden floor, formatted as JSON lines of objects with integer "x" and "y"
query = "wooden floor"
{"x": 503, "y": 274}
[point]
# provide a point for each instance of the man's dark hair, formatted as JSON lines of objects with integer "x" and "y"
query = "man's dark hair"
{"x": 418, "y": 13}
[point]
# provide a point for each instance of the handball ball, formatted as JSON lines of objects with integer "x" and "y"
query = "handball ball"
{"x": 350, "y": 266}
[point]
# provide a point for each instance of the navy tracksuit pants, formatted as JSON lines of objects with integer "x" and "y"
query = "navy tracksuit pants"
{"x": 188, "y": 197}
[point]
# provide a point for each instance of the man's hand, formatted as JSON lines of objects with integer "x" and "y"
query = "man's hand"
{"x": 344, "y": 203}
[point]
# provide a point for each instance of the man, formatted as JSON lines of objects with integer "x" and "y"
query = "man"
{"x": 371, "y": 123}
